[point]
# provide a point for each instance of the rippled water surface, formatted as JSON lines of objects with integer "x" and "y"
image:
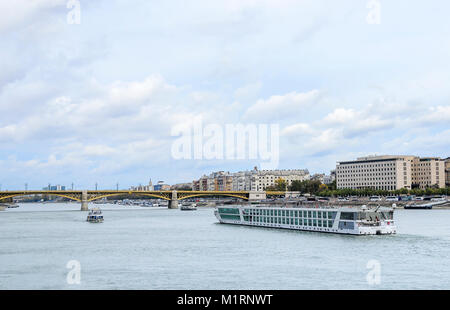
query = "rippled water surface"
{"x": 149, "y": 248}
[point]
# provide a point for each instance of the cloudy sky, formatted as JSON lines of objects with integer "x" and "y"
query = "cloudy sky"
{"x": 96, "y": 101}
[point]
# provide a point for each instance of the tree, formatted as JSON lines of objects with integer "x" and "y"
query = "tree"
{"x": 307, "y": 186}
{"x": 332, "y": 186}
{"x": 323, "y": 187}
{"x": 297, "y": 186}
{"x": 280, "y": 185}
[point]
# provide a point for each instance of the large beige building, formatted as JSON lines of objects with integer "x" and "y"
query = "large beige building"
{"x": 265, "y": 178}
{"x": 259, "y": 180}
{"x": 390, "y": 172}
{"x": 427, "y": 172}
{"x": 447, "y": 172}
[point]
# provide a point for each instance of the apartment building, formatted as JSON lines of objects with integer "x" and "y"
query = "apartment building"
{"x": 427, "y": 172}
{"x": 390, "y": 172}
{"x": 328, "y": 179}
{"x": 259, "y": 180}
{"x": 196, "y": 185}
{"x": 242, "y": 180}
{"x": 202, "y": 184}
{"x": 253, "y": 180}
{"x": 266, "y": 178}
{"x": 216, "y": 181}
{"x": 224, "y": 183}
{"x": 447, "y": 172}
{"x": 318, "y": 177}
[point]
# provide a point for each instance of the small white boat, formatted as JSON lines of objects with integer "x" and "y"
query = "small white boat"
{"x": 429, "y": 205}
{"x": 188, "y": 206}
{"x": 95, "y": 216}
{"x": 146, "y": 204}
{"x": 149, "y": 204}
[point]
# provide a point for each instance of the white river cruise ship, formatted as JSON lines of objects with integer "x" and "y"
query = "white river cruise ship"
{"x": 340, "y": 220}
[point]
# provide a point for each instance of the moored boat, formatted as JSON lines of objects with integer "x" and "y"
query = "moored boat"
{"x": 186, "y": 206}
{"x": 418, "y": 207}
{"x": 341, "y": 220}
{"x": 429, "y": 205}
{"x": 95, "y": 216}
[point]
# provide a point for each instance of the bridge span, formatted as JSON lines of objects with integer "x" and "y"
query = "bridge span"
{"x": 86, "y": 196}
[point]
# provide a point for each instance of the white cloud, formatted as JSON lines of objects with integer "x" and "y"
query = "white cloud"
{"x": 327, "y": 139}
{"x": 101, "y": 98}
{"x": 280, "y": 106}
{"x": 248, "y": 91}
{"x": 300, "y": 129}
{"x": 356, "y": 123}
{"x": 19, "y": 13}
{"x": 341, "y": 116}
{"x": 123, "y": 92}
{"x": 435, "y": 115}
{"x": 109, "y": 109}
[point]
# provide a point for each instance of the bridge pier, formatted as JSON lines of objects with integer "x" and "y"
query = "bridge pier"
{"x": 173, "y": 203}
{"x": 84, "y": 201}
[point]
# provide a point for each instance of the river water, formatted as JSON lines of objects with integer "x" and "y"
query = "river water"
{"x": 156, "y": 248}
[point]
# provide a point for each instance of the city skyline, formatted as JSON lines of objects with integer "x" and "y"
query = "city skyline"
{"x": 96, "y": 102}
{"x": 276, "y": 174}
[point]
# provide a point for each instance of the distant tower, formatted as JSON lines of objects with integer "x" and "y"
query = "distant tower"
{"x": 150, "y": 185}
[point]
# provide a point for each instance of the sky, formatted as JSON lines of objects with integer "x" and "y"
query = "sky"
{"x": 97, "y": 101}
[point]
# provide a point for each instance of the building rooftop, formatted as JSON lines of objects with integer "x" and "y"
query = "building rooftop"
{"x": 372, "y": 158}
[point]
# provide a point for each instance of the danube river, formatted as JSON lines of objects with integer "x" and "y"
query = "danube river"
{"x": 153, "y": 248}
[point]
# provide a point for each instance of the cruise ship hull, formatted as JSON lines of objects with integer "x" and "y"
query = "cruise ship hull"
{"x": 330, "y": 220}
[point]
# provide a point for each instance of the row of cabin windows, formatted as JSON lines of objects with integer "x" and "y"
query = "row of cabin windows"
{"x": 289, "y": 221}
{"x": 292, "y": 213}
{"x": 229, "y": 210}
